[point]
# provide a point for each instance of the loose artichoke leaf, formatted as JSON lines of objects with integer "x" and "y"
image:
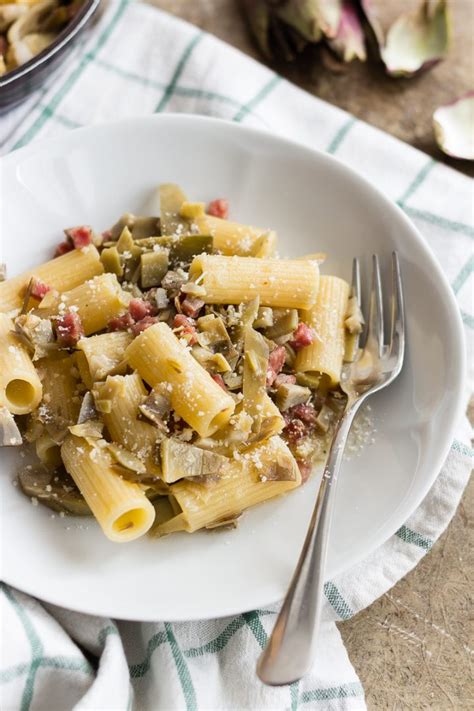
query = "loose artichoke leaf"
{"x": 348, "y": 43}
{"x": 156, "y": 407}
{"x": 258, "y": 17}
{"x": 454, "y": 127}
{"x": 125, "y": 458}
{"x": 311, "y": 18}
{"x": 417, "y": 40}
{"x": 184, "y": 249}
{"x": 10, "y": 435}
{"x": 53, "y": 489}
{"x": 37, "y": 334}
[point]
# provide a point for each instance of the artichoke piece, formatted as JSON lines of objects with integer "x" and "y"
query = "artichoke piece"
{"x": 157, "y": 407}
{"x": 257, "y": 13}
{"x": 87, "y": 411}
{"x": 213, "y": 362}
{"x": 110, "y": 258}
{"x": 90, "y": 428}
{"x": 181, "y": 460}
{"x": 289, "y": 395}
{"x": 214, "y": 336}
{"x": 264, "y": 318}
{"x": 285, "y": 322}
{"x": 144, "y": 227}
{"x": 417, "y": 40}
{"x": 125, "y": 458}
{"x": 125, "y": 242}
{"x": 56, "y": 490}
{"x": 225, "y": 523}
{"x": 154, "y": 266}
{"x": 233, "y": 381}
{"x": 191, "y": 210}
{"x": 10, "y": 435}
{"x": 37, "y": 334}
{"x": 454, "y": 127}
{"x": 184, "y": 249}
{"x": 324, "y": 419}
{"x": 311, "y": 18}
{"x": 171, "y": 200}
{"x": 127, "y": 220}
{"x": 348, "y": 42}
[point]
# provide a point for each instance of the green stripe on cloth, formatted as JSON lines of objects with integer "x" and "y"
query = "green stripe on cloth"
{"x": 463, "y": 275}
{"x": 467, "y": 319}
{"x": 67, "y": 122}
{"x": 462, "y": 448}
{"x": 182, "y": 669}
{"x": 178, "y": 90}
{"x": 14, "y": 672}
{"x": 106, "y": 632}
{"x": 253, "y": 621}
{"x": 335, "y": 692}
{"x": 337, "y": 602}
{"x": 260, "y": 96}
{"x": 433, "y": 219}
{"x": 418, "y": 180}
{"x": 36, "y": 648}
{"x": 409, "y": 536}
{"x": 340, "y": 135}
{"x": 178, "y": 71}
{"x": 294, "y": 695}
{"x": 139, "y": 670}
{"x": 63, "y": 663}
{"x": 218, "y": 643}
{"x": 48, "y": 110}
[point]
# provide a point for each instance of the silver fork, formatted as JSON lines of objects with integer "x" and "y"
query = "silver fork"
{"x": 290, "y": 649}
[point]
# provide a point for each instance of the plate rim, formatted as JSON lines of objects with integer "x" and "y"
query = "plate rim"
{"x": 458, "y": 346}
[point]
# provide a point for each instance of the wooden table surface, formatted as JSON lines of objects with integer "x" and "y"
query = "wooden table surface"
{"x": 412, "y": 648}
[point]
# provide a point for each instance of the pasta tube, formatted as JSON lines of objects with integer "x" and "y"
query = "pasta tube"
{"x": 120, "y": 506}
{"x": 278, "y": 282}
{"x": 104, "y": 353}
{"x": 96, "y": 302}
{"x": 261, "y": 473}
{"x": 232, "y": 238}
{"x": 62, "y": 273}
{"x": 160, "y": 357}
{"x": 324, "y": 356}
{"x": 20, "y": 386}
{"x": 49, "y": 453}
{"x": 125, "y": 393}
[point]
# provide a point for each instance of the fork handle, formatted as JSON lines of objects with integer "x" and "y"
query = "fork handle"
{"x": 289, "y": 651}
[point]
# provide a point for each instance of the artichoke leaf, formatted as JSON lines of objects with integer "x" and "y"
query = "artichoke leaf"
{"x": 454, "y": 127}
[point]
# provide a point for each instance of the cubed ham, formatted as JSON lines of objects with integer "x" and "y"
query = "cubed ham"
{"x": 138, "y": 309}
{"x": 219, "y": 208}
{"x": 305, "y": 413}
{"x": 276, "y": 361}
{"x": 305, "y": 469}
{"x": 283, "y": 378}
{"x": 63, "y": 248}
{"x": 39, "y": 288}
{"x": 120, "y": 323}
{"x": 69, "y": 329}
{"x": 219, "y": 380}
{"x": 144, "y": 324}
{"x": 187, "y": 328}
{"x": 79, "y": 236}
{"x": 191, "y": 306}
{"x": 295, "y": 430}
{"x": 303, "y": 336}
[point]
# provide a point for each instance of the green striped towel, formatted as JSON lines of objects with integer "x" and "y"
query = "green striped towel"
{"x": 139, "y": 61}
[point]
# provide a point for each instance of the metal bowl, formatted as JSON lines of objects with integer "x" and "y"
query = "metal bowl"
{"x": 17, "y": 85}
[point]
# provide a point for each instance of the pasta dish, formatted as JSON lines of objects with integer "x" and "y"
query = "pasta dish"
{"x": 171, "y": 371}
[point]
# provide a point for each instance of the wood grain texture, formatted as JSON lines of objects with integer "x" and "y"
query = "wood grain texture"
{"x": 413, "y": 647}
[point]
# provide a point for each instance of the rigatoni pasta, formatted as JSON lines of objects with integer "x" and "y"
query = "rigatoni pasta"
{"x": 196, "y": 377}
{"x": 160, "y": 357}
{"x": 324, "y": 356}
{"x": 121, "y": 508}
{"x": 288, "y": 283}
{"x": 64, "y": 272}
{"x": 20, "y": 386}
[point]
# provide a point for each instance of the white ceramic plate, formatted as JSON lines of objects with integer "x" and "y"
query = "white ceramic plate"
{"x": 316, "y": 204}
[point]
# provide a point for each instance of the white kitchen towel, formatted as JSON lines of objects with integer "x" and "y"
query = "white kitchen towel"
{"x": 138, "y": 61}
